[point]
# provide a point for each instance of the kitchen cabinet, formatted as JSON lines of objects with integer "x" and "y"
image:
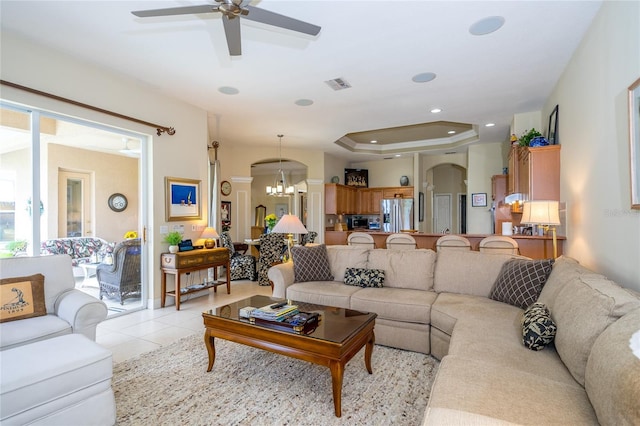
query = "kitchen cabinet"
{"x": 335, "y": 238}
{"x": 398, "y": 192}
{"x": 370, "y": 200}
{"x": 340, "y": 199}
{"x": 498, "y": 188}
{"x": 535, "y": 172}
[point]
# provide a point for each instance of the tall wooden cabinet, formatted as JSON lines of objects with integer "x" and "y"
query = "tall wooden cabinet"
{"x": 535, "y": 172}
{"x": 340, "y": 199}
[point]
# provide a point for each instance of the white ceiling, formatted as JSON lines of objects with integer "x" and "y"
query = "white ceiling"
{"x": 377, "y": 46}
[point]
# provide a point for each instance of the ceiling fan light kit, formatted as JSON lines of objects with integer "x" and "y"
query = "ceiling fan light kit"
{"x": 232, "y": 9}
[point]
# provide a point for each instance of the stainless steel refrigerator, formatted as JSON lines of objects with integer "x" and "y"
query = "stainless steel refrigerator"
{"x": 396, "y": 214}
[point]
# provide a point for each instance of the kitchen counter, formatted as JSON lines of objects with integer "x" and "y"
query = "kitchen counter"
{"x": 535, "y": 247}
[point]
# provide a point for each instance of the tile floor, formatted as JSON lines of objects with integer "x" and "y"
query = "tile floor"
{"x": 133, "y": 334}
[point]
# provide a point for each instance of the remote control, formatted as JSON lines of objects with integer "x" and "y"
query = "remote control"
{"x": 278, "y": 305}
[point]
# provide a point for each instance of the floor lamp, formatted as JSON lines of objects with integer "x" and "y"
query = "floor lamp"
{"x": 289, "y": 224}
{"x": 545, "y": 214}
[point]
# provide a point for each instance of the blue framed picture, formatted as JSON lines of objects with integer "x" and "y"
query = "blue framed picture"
{"x": 182, "y": 199}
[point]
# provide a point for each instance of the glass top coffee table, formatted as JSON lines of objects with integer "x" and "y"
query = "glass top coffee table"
{"x": 338, "y": 337}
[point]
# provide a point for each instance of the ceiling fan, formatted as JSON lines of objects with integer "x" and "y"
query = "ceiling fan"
{"x": 231, "y": 10}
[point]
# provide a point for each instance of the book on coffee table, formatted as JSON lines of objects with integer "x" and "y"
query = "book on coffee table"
{"x": 300, "y": 322}
{"x": 275, "y": 312}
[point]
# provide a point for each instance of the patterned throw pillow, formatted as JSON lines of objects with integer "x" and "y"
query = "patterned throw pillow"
{"x": 520, "y": 281}
{"x": 311, "y": 263}
{"x": 538, "y": 329}
{"x": 364, "y": 277}
{"x": 22, "y": 297}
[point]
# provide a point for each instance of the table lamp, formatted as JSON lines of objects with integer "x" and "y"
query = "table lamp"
{"x": 545, "y": 214}
{"x": 209, "y": 234}
{"x": 289, "y": 224}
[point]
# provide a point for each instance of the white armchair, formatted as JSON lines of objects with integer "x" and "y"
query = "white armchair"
{"x": 68, "y": 310}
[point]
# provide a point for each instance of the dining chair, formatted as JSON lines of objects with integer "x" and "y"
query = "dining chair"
{"x": 499, "y": 244}
{"x": 453, "y": 242}
{"x": 400, "y": 242}
{"x": 361, "y": 239}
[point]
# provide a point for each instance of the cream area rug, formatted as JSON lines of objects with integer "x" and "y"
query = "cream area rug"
{"x": 248, "y": 386}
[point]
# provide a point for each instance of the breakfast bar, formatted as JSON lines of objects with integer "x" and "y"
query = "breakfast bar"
{"x": 534, "y": 247}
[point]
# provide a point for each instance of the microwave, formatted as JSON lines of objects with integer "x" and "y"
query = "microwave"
{"x": 360, "y": 222}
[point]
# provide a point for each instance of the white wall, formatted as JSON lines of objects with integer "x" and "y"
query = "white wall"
{"x": 603, "y": 233}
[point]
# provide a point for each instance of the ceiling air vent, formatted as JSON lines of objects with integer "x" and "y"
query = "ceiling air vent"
{"x": 338, "y": 84}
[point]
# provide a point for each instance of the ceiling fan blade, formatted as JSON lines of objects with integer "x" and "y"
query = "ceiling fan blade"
{"x": 232, "y": 31}
{"x": 186, "y": 10}
{"x": 271, "y": 18}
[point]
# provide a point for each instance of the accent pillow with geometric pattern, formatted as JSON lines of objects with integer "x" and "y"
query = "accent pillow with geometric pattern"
{"x": 363, "y": 277}
{"x": 520, "y": 281}
{"x": 22, "y": 297}
{"x": 311, "y": 263}
{"x": 538, "y": 329}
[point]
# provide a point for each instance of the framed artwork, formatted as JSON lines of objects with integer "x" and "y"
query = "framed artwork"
{"x": 182, "y": 199}
{"x": 356, "y": 177}
{"x": 225, "y": 215}
{"x": 479, "y": 199}
{"x": 421, "y": 206}
{"x": 552, "y": 131}
{"x": 634, "y": 142}
{"x": 281, "y": 210}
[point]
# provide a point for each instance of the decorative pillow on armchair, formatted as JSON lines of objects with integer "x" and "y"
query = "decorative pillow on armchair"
{"x": 364, "y": 277}
{"x": 22, "y": 297}
{"x": 520, "y": 281}
{"x": 311, "y": 263}
{"x": 538, "y": 329}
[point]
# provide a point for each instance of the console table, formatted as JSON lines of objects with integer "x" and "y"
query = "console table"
{"x": 190, "y": 261}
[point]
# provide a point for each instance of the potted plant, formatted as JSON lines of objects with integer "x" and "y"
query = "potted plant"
{"x": 528, "y": 136}
{"x": 173, "y": 238}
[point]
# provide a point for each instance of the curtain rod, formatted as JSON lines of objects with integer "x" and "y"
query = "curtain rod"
{"x": 159, "y": 129}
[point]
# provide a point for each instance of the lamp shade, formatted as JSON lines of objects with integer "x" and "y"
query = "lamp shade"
{"x": 289, "y": 224}
{"x": 540, "y": 213}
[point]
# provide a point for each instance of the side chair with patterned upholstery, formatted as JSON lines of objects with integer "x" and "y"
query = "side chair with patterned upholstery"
{"x": 272, "y": 247}
{"x": 243, "y": 266}
{"x": 309, "y": 237}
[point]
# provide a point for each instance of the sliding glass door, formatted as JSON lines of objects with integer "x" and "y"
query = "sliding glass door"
{"x": 56, "y": 177}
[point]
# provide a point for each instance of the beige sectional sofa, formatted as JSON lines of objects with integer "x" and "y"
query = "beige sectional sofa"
{"x": 439, "y": 304}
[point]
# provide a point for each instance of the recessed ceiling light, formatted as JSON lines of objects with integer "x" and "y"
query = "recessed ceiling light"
{"x": 489, "y": 124}
{"x": 228, "y": 90}
{"x": 424, "y": 77}
{"x": 374, "y": 141}
{"x": 451, "y": 132}
{"x": 487, "y": 25}
{"x": 304, "y": 102}
{"x": 397, "y": 155}
{"x": 436, "y": 110}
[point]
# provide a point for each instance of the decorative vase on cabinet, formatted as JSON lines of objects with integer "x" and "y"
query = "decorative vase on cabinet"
{"x": 404, "y": 181}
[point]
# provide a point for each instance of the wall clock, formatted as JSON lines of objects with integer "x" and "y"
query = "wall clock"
{"x": 225, "y": 187}
{"x": 117, "y": 202}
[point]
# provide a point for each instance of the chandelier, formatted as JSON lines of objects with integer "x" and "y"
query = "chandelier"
{"x": 280, "y": 187}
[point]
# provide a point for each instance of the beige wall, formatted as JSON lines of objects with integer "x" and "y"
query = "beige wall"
{"x": 485, "y": 160}
{"x": 110, "y": 173}
{"x": 603, "y": 233}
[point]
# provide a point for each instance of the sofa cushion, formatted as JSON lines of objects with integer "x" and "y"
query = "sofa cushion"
{"x": 343, "y": 257}
{"x": 327, "y": 293}
{"x": 563, "y": 270}
{"x": 405, "y": 268}
{"x": 364, "y": 277}
{"x": 396, "y": 304}
{"x": 22, "y": 297}
{"x": 18, "y": 333}
{"x": 311, "y": 263}
{"x": 612, "y": 376}
{"x": 492, "y": 389}
{"x": 538, "y": 329}
{"x": 585, "y": 306}
{"x": 520, "y": 281}
{"x": 468, "y": 272}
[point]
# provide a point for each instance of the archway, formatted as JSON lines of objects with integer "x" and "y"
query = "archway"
{"x": 446, "y": 181}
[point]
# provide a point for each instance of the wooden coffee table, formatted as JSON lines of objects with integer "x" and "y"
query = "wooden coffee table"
{"x": 338, "y": 338}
